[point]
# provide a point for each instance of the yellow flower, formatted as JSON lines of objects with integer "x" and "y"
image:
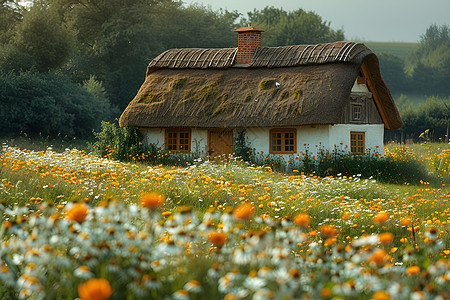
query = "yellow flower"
{"x": 95, "y": 289}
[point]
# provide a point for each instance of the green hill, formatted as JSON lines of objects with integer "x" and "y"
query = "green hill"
{"x": 399, "y": 49}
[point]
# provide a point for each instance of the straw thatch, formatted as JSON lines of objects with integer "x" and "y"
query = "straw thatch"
{"x": 282, "y": 86}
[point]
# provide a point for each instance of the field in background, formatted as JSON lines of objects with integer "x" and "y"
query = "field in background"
{"x": 399, "y": 49}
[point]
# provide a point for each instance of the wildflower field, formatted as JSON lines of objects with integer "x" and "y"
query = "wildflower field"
{"x": 79, "y": 226}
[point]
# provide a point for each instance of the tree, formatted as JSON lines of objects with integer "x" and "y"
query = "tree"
{"x": 50, "y": 105}
{"x": 41, "y": 39}
{"x": 292, "y": 28}
{"x": 428, "y": 67}
{"x": 392, "y": 69}
{"x": 10, "y": 14}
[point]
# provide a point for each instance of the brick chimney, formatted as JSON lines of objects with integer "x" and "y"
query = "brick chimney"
{"x": 249, "y": 39}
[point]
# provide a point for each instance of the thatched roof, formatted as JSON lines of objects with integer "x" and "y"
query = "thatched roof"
{"x": 282, "y": 86}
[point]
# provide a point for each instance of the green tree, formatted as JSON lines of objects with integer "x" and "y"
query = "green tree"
{"x": 392, "y": 69}
{"x": 50, "y": 105}
{"x": 10, "y": 15}
{"x": 284, "y": 28}
{"x": 428, "y": 67}
{"x": 40, "y": 40}
{"x": 118, "y": 38}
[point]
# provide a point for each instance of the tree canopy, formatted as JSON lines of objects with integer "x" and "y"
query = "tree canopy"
{"x": 283, "y": 28}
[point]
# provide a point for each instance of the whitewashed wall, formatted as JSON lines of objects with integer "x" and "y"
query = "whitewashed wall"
{"x": 199, "y": 139}
{"x": 199, "y": 142}
{"x": 374, "y": 134}
{"x": 359, "y": 88}
{"x": 153, "y": 136}
{"x": 310, "y": 138}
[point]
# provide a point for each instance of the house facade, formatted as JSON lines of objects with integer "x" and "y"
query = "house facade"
{"x": 283, "y": 100}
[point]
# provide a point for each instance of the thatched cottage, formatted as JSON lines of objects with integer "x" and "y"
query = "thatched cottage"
{"x": 281, "y": 99}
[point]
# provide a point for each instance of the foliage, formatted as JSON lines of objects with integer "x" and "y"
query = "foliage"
{"x": 283, "y": 28}
{"x": 399, "y": 165}
{"x": 10, "y": 15}
{"x": 43, "y": 38}
{"x": 118, "y": 143}
{"x": 46, "y": 104}
{"x": 125, "y": 144}
{"x": 432, "y": 115}
{"x": 241, "y": 148}
{"x": 429, "y": 65}
{"x": 392, "y": 69}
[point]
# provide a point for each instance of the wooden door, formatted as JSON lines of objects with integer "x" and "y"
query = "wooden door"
{"x": 220, "y": 142}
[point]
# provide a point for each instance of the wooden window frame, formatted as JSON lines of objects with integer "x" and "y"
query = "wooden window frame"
{"x": 282, "y": 144}
{"x": 353, "y": 113}
{"x": 355, "y": 137}
{"x": 177, "y": 140}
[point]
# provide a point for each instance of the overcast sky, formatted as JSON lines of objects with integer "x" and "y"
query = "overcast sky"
{"x": 376, "y": 20}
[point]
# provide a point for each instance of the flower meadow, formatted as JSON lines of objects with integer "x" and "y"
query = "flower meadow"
{"x": 79, "y": 226}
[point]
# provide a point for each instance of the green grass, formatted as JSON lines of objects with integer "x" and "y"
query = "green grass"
{"x": 130, "y": 244}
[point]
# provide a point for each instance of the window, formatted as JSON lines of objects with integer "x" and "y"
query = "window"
{"x": 283, "y": 141}
{"x": 356, "y": 112}
{"x": 178, "y": 140}
{"x": 357, "y": 142}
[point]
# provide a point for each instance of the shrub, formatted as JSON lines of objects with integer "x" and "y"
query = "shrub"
{"x": 48, "y": 105}
{"x": 125, "y": 144}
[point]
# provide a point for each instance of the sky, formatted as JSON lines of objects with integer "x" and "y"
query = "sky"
{"x": 361, "y": 20}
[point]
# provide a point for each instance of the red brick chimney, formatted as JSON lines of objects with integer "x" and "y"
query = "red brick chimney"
{"x": 249, "y": 39}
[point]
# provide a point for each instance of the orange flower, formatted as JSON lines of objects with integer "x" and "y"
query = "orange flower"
{"x": 95, "y": 289}
{"x": 405, "y": 221}
{"x": 381, "y": 295}
{"x": 152, "y": 200}
{"x": 302, "y": 219}
{"x": 325, "y": 293}
{"x": 77, "y": 213}
{"x": 244, "y": 211}
{"x": 413, "y": 270}
{"x": 381, "y": 217}
{"x": 329, "y": 242}
{"x": 386, "y": 237}
{"x": 378, "y": 256}
{"x": 217, "y": 238}
{"x": 7, "y": 224}
{"x": 328, "y": 231}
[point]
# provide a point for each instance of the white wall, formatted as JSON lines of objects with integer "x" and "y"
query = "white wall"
{"x": 153, "y": 136}
{"x": 374, "y": 133}
{"x": 199, "y": 139}
{"x": 311, "y": 138}
{"x": 199, "y": 142}
{"x": 359, "y": 88}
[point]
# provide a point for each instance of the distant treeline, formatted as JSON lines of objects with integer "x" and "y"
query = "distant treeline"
{"x": 424, "y": 73}
{"x": 66, "y": 65}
